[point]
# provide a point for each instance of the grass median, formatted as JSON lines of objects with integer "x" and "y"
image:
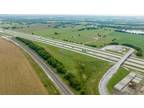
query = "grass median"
{"x": 116, "y": 78}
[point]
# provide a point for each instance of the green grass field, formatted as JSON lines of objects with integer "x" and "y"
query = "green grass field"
{"x": 99, "y": 37}
{"x": 116, "y": 78}
{"x": 87, "y": 70}
{"x": 72, "y": 34}
{"x": 133, "y": 39}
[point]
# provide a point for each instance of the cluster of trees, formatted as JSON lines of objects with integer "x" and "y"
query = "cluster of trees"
{"x": 72, "y": 41}
{"x": 13, "y": 27}
{"x": 139, "y": 50}
{"x": 53, "y": 62}
{"x": 114, "y": 39}
{"x": 114, "y": 43}
{"x": 91, "y": 45}
{"x": 5, "y": 27}
{"x": 128, "y": 32}
{"x": 45, "y": 55}
{"x": 118, "y": 30}
{"x": 87, "y": 28}
{"x": 56, "y": 33}
{"x": 73, "y": 81}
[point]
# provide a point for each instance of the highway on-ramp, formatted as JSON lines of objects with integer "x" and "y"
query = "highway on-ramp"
{"x": 132, "y": 62}
{"x": 108, "y": 75}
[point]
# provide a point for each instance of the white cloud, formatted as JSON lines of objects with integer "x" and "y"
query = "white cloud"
{"x": 90, "y": 7}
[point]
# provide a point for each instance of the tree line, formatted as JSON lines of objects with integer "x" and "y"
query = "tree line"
{"x": 138, "y": 49}
{"x": 73, "y": 82}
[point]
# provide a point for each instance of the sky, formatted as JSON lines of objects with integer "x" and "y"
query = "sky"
{"x": 73, "y": 7}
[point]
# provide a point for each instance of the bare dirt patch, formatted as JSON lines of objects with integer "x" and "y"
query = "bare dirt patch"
{"x": 17, "y": 76}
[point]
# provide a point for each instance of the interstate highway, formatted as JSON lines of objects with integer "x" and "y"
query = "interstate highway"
{"x": 131, "y": 63}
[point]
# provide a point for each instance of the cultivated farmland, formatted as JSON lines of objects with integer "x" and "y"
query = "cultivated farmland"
{"x": 17, "y": 76}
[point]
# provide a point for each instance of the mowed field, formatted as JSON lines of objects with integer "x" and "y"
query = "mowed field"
{"x": 98, "y": 37}
{"x": 73, "y": 34}
{"x": 17, "y": 75}
{"x": 87, "y": 70}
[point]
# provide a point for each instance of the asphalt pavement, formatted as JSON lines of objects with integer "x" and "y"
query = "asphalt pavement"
{"x": 108, "y": 75}
{"x": 62, "y": 87}
{"x": 133, "y": 63}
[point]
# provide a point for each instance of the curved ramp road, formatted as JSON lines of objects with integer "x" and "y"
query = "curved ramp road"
{"x": 54, "y": 78}
{"x": 108, "y": 75}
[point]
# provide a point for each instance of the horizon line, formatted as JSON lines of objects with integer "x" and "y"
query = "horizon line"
{"x": 28, "y": 14}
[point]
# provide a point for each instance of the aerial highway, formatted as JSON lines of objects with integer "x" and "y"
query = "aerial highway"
{"x": 108, "y": 75}
{"x": 133, "y": 63}
{"x": 62, "y": 87}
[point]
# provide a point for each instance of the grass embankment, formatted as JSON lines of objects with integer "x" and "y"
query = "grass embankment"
{"x": 87, "y": 70}
{"x": 82, "y": 73}
{"x": 52, "y": 90}
{"x": 49, "y": 59}
{"x": 116, "y": 78}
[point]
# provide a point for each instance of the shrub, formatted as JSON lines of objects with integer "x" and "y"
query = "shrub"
{"x": 61, "y": 69}
{"x": 114, "y": 43}
{"x": 91, "y": 45}
{"x": 53, "y": 62}
{"x": 139, "y": 50}
{"x": 43, "y": 54}
{"x": 72, "y": 81}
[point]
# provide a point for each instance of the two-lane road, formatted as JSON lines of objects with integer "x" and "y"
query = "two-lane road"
{"x": 62, "y": 87}
{"x": 108, "y": 75}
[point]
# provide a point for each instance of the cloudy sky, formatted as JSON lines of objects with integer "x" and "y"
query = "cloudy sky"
{"x": 86, "y": 7}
